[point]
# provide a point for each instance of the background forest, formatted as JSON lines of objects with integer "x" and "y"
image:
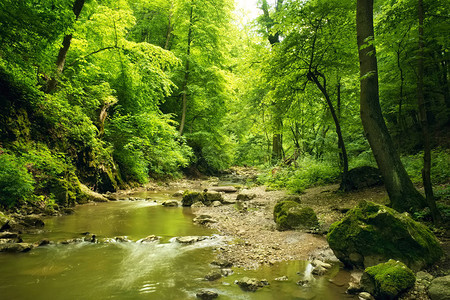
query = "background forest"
{"x": 116, "y": 93}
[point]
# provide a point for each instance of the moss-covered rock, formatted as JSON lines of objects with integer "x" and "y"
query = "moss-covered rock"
{"x": 211, "y": 196}
{"x": 291, "y": 215}
{"x": 387, "y": 280}
{"x": 190, "y": 198}
{"x": 440, "y": 288}
{"x": 371, "y": 233}
{"x": 3, "y": 219}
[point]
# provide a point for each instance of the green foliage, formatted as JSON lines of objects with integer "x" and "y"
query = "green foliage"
{"x": 307, "y": 173}
{"x": 440, "y": 166}
{"x": 211, "y": 149}
{"x": 147, "y": 145}
{"x": 16, "y": 183}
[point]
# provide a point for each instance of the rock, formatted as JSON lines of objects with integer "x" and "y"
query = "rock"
{"x": 68, "y": 211}
{"x": 90, "y": 195}
{"x": 190, "y": 239}
{"x": 387, "y": 280}
{"x": 190, "y": 198}
{"x": 91, "y": 238}
{"x": 282, "y": 278}
{"x": 353, "y": 288}
{"x": 319, "y": 270}
{"x": 170, "y": 203}
{"x": 122, "y": 239}
{"x": 440, "y": 288}
{"x": 250, "y": 284}
{"x": 15, "y": 247}
{"x": 216, "y": 204}
{"x": 371, "y": 233}
{"x": 149, "y": 239}
{"x": 229, "y": 201}
{"x": 178, "y": 194}
{"x": 211, "y": 196}
{"x": 363, "y": 177}
{"x": 198, "y": 205}
{"x": 319, "y": 263}
{"x": 222, "y": 263}
{"x": 224, "y": 189}
{"x": 44, "y": 242}
{"x": 291, "y": 215}
{"x": 245, "y": 197}
{"x": 294, "y": 198}
{"x": 4, "y": 220}
{"x": 213, "y": 275}
{"x": 206, "y": 295}
{"x": 204, "y": 219}
{"x": 304, "y": 282}
{"x": 8, "y": 235}
{"x": 365, "y": 296}
{"x": 226, "y": 272}
{"x": 31, "y": 221}
{"x": 110, "y": 196}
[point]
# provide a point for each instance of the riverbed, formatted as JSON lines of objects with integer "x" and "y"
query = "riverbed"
{"x": 163, "y": 269}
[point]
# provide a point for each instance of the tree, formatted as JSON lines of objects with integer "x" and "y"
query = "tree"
{"x": 426, "y": 171}
{"x": 403, "y": 195}
{"x": 61, "y": 60}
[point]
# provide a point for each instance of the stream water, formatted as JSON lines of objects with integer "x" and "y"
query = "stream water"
{"x": 157, "y": 270}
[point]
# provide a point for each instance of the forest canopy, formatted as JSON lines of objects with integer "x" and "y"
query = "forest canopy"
{"x": 116, "y": 93}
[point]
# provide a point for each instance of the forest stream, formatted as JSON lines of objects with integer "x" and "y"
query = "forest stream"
{"x": 126, "y": 268}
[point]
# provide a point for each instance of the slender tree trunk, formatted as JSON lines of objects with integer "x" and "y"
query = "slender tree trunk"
{"x": 186, "y": 72}
{"x": 61, "y": 60}
{"x": 323, "y": 88}
{"x": 426, "y": 171}
{"x": 169, "y": 27}
{"x": 403, "y": 195}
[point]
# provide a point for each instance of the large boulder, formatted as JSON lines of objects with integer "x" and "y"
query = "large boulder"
{"x": 292, "y": 215}
{"x": 372, "y": 233}
{"x": 440, "y": 288}
{"x": 363, "y": 177}
{"x": 387, "y": 280}
{"x": 211, "y": 196}
{"x": 190, "y": 198}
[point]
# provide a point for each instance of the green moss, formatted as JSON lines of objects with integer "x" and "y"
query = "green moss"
{"x": 388, "y": 279}
{"x": 373, "y": 230}
{"x": 190, "y": 198}
{"x": 291, "y": 215}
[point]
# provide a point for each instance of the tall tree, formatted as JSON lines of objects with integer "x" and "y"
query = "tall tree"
{"x": 426, "y": 171}
{"x": 267, "y": 20}
{"x": 61, "y": 60}
{"x": 403, "y": 195}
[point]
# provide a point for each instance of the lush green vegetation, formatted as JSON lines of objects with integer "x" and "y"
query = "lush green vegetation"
{"x": 116, "y": 93}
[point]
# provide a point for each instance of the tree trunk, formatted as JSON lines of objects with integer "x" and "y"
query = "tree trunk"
{"x": 61, "y": 60}
{"x": 403, "y": 195}
{"x": 323, "y": 88}
{"x": 426, "y": 171}
{"x": 186, "y": 72}
{"x": 169, "y": 27}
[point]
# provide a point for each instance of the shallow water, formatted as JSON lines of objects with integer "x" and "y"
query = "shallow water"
{"x": 159, "y": 270}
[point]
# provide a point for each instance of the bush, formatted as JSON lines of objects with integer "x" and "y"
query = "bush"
{"x": 309, "y": 172}
{"x": 440, "y": 166}
{"x": 16, "y": 183}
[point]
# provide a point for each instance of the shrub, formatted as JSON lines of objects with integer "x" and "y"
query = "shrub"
{"x": 16, "y": 183}
{"x": 309, "y": 172}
